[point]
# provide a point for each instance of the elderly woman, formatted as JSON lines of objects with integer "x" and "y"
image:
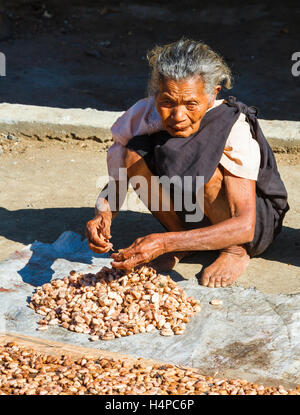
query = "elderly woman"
{"x": 182, "y": 130}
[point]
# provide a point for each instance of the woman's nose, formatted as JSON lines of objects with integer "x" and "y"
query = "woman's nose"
{"x": 178, "y": 113}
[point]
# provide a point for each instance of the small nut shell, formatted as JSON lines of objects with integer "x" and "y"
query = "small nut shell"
{"x": 167, "y": 332}
{"x": 216, "y": 301}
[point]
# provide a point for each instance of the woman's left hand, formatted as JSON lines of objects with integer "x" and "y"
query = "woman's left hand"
{"x": 142, "y": 251}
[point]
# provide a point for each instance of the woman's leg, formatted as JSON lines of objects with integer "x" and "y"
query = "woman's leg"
{"x": 136, "y": 166}
{"x": 232, "y": 261}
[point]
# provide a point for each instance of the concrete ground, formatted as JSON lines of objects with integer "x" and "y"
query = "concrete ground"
{"x": 47, "y": 188}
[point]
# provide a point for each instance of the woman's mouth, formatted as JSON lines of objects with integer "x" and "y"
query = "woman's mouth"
{"x": 178, "y": 128}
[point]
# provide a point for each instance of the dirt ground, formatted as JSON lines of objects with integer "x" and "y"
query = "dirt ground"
{"x": 93, "y": 53}
{"x": 49, "y": 187}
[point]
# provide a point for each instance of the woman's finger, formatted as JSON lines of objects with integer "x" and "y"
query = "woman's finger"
{"x": 106, "y": 229}
{"x": 95, "y": 239}
{"x": 130, "y": 263}
{"x": 125, "y": 253}
{"x": 100, "y": 250}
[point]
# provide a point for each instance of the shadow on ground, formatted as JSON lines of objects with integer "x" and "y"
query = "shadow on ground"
{"x": 91, "y": 55}
{"x": 46, "y": 225}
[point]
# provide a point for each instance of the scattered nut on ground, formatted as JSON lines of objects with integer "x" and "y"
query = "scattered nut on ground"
{"x": 24, "y": 371}
{"x": 216, "y": 301}
{"x": 112, "y": 304}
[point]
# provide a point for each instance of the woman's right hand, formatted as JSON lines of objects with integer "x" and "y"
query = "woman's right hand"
{"x": 98, "y": 233}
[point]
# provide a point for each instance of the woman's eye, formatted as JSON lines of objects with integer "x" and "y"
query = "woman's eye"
{"x": 191, "y": 106}
{"x": 167, "y": 103}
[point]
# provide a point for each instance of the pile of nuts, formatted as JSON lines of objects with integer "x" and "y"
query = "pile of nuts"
{"x": 111, "y": 304}
{"x": 26, "y": 372}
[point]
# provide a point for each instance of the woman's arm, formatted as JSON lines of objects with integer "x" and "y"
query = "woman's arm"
{"x": 236, "y": 230}
{"x": 142, "y": 118}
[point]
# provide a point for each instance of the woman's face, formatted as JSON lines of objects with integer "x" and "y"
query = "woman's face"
{"x": 182, "y": 105}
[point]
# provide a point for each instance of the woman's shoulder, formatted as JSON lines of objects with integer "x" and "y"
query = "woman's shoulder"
{"x": 142, "y": 118}
{"x": 242, "y": 152}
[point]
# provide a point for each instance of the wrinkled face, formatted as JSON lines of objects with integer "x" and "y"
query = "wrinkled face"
{"x": 182, "y": 105}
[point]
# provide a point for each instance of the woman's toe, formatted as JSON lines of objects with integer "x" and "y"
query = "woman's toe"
{"x": 212, "y": 280}
{"x": 218, "y": 282}
{"x": 205, "y": 278}
{"x": 225, "y": 281}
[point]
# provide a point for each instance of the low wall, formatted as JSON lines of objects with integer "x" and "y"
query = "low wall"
{"x": 82, "y": 124}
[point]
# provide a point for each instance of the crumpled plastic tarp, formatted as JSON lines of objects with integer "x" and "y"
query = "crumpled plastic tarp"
{"x": 252, "y": 335}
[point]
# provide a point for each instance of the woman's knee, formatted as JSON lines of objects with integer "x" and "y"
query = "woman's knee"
{"x": 130, "y": 158}
{"x": 119, "y": 156}
{"x": 213, "y": 188}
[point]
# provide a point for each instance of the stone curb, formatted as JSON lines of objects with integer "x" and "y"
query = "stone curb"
{"x": 74, "y": 123}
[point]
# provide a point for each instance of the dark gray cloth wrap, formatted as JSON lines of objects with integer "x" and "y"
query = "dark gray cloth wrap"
{"x": 199, "y": 155}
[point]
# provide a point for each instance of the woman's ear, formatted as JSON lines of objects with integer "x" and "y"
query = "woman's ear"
{"x": 217, "y": 89}
{"x": 156, "y": 102}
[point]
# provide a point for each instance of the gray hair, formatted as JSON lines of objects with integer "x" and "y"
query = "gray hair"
{"x": 185, "y": 59}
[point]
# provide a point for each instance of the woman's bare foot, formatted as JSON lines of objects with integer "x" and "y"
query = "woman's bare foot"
{"x": 168, "y": 261}
{"x": 226, "y": 269}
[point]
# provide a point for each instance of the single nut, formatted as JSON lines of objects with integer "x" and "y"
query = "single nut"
{"x": 178, "y": 330}
{"x": 42, "y": 328}
{"x": 94, "y": 338}
{"x": 108, "y": 336}
{"x": 167, "y": 332}
{"x": 216, "y": 301}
